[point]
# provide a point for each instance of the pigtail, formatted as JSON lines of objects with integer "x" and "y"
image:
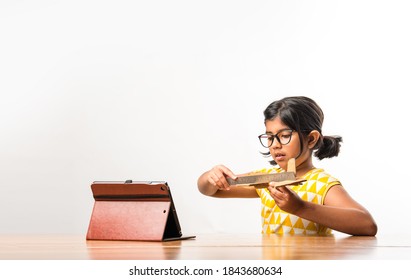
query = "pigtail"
{"x": 329, "y": 147}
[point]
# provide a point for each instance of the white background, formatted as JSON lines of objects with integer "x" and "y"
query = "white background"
{"x": 164, "y": 90}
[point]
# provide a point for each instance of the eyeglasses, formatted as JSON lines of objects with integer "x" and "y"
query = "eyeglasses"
{"x": 283, "y": 137}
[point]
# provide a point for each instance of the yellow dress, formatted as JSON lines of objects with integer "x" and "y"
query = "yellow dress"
{"x": 275, "y": 220}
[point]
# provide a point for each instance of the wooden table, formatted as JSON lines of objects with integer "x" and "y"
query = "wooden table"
{"x": 207, "y": 247}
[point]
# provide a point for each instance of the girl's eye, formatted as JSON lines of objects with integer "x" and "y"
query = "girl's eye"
{"x": 285, "y": 136}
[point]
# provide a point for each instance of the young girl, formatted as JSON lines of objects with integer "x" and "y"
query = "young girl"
{"x": 320, "y": 204}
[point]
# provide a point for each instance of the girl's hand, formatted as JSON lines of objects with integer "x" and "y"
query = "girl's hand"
{"x": 217, "y": 177}
{"x": 286, "y": 199}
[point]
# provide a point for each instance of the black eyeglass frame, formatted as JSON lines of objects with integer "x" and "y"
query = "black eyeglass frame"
{"x": 271, "y": 137}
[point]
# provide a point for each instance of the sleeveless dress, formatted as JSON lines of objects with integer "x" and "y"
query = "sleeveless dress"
{"x": 275, "y": 220}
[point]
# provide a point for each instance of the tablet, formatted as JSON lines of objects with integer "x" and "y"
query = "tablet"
{"x": 133, "y": 210}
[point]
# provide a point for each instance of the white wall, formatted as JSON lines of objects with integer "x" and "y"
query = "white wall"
{"x": 164, "y": 90}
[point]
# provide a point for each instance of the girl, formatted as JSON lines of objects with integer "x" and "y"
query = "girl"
{"x": 320, "y": 204}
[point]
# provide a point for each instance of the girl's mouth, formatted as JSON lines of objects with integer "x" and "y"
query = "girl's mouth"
{"x": 279, "y": 157}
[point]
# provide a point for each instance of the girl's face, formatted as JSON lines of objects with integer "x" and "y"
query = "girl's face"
{"x": 281, "y": 153}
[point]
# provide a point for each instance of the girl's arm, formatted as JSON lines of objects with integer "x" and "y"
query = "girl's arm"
{"x": 339, "y": 212}
{"x": 214, "y": 183}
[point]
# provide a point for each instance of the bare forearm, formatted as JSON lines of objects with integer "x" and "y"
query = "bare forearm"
{"x": 348, "y": 220}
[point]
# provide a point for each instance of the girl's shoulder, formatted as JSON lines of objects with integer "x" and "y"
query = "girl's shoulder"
{"x": 318, "y": 174}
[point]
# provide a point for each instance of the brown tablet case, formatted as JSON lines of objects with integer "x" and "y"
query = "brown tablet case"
{"x": 133, "y": 211}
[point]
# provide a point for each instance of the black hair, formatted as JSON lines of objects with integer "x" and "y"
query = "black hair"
{"x": 303, "y": 115}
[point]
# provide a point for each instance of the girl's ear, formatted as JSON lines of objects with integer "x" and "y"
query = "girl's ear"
{"x": 313, "y": 139}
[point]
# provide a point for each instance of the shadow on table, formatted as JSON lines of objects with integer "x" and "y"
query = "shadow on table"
{"x": 315, "y": 247}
